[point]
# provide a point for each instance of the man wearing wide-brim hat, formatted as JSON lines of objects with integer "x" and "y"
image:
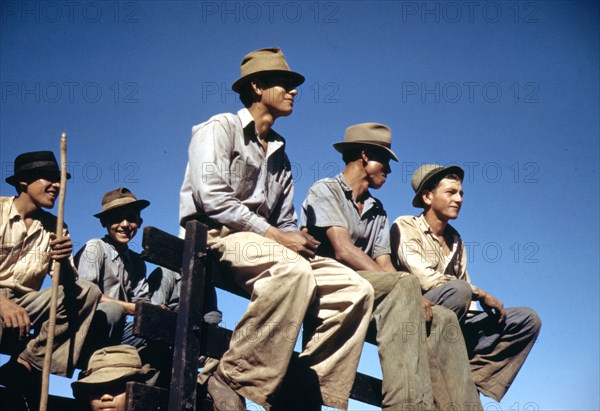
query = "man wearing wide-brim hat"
{"x": 238, "y": 181}
{"x": 119, "y": 272}
{"x": 499, "y": 339}
{"x": 103, "y": 384}
{"x": 29, "y": 247}
{"x": 353, "y": 228}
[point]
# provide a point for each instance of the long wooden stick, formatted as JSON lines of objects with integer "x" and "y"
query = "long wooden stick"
{"x": 55, "y": 274}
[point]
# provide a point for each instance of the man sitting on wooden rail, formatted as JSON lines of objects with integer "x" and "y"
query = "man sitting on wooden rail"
{"x": 28, "y": 247}
{"x": 238, "y": 181}
{"x": 353, "y": 228}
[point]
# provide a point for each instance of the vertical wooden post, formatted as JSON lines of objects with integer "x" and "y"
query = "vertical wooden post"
{"x": 182, "y": 393}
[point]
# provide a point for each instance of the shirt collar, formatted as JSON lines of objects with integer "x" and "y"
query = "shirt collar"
{"x": 369, "y": 201}
{"x": 426, "y": 228}
{"x": 275, "y": 141}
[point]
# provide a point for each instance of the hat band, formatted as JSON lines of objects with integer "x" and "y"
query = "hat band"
{"x": 36, "y": 164}
{"x": 90, "y": 371}
{"x": 379, "y": 143}
{"x": 118, "y": 202}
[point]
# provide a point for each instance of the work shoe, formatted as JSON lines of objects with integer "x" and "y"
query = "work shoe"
{"x": 224, "y": 398}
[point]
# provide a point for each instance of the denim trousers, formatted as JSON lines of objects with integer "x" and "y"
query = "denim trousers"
{"x": 422, "y": 369}
{"x": 284, "y": 288}
{"x": 76, "y": 305}
{"x": 497, "y": 351}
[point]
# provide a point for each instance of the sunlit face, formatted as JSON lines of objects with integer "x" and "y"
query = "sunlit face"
{"x": 107, "y": 397}
{"x": 43, "y": 191}
{"x": 122, "y": 225}
{"x": 445, "y": 200}
{"x": 278, "y": 96}
{"x": 377, "y": 168}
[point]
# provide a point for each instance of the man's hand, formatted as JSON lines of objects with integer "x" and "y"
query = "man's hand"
{"x": 492, "y": 305}
{"x": 427, "y": 304}
{"x": 15, "y": 316}
{"x": 60, "y": 248}
{"x": 298, "y": 241}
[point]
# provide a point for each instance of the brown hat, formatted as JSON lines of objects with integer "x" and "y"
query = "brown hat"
{"x": 367, "y": 134}
{"x": 34, "y": 163}
{"x": 121, "y": 197}
{"x": 426, "y": 173}
{"x": 111, "y": 364}
{"x": 265, "y": 61}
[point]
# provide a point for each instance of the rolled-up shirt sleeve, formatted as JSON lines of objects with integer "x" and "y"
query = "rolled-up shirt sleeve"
{"x": 209, "y": 167}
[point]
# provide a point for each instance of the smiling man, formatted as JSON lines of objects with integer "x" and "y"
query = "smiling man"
{"x": 499, "y": 339}
{"x": 119, "y": 272}
{"x": 238, "y": 181}
{"x": 28, "y": 249}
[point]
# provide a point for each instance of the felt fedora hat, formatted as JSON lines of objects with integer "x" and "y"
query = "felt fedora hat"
{"x": 119, "y": 198}
{"x": 367, "y": 134}
{"x": 265, "y": 61}
{"x": 114, "y": 363}
{"x": 42, "y": 163}
{"x": 427, "y": 173}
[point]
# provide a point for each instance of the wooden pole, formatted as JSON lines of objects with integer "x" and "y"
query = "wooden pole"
{"x": 55, "y": 274}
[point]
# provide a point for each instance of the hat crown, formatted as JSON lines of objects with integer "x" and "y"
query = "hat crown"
{"x": 419, "y": 176}
{"x": 374, "y": 133}
{"x": 34, "y": 162}
{"x": 121, "y": 355}
{"x": 120, "y": 197}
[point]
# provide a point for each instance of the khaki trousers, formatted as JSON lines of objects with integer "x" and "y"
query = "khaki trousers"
{"x": 421, "y": 370}
{"x": 284, "y": 287}
{"x": 76, "y": 306}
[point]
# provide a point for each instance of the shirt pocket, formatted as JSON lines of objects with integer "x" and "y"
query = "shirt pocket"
{"x": 244, "y": 178}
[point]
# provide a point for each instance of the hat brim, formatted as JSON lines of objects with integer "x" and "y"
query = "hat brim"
{"x": 418, "y": 199}
{"x": 137, "y": 205}
{"x": 14, "y": 180}
{"x": 145, "y": 373}
{"x": 297, "y": 78}
{"x": 345, "y": 145}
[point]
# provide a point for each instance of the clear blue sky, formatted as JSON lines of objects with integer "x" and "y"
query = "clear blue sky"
{"x": 508, "y": 90}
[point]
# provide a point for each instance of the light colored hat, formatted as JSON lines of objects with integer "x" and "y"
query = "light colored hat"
{"x": 426, "y": 173}
{"x": 367, "y": 134}
{"x": 120, "y": 197}
{"x": 111, "y": 364}
{"x": 265, "y": 61}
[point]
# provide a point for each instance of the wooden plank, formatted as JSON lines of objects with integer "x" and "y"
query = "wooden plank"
{"x": 142, "y": 397}
{"x": 367, "y": 389}
{"x": 154, "y": 323}
{"x": 162, "y": 248}
{"x": 182, "y": 394}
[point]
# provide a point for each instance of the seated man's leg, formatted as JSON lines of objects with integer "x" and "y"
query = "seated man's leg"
{"x": 343, "y": 307}
{"x": 282, "y": 286}
{"x": 401, "y": 341}
{"x": 76, "y": 306}
{"x": 451, "y": 378}
{"x": 498, "y": 351}
{"x": 455, "y": 295}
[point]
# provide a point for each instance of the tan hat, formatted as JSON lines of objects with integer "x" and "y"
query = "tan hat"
{"x": 367, "y": 134}
{"x": 120, "y": 197}
{"x": 265, "y": 61}
{"x": 112, "y": 364}
{"x": 426, "y": 173}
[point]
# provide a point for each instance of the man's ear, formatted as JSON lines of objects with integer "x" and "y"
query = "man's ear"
{"x": 22, "y": 188}
{"x": 256, "y": 87}
{"x": 364, "y": 157}
{"x": 426, "y": 197}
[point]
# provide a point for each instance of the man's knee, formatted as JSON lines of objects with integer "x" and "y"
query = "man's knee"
{"x": 364, "y": 290}
{"x": 528, "y": 318}
{"x": 460, "y": 291}
{"x": 113, "y": 312}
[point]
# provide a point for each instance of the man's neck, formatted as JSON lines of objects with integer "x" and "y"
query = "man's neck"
{"x": 357, "y": 180}
{"x": 263, "y": 119}
{"x": 25, "y": 206}
{"x": 438, "y": 226}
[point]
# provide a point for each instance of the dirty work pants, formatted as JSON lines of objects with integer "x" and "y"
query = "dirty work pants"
{"x": 76, "y": 306}
{"x": 419, "y": 369}
{"x": 284, "y": 287}
{"x": 496, "y": 351}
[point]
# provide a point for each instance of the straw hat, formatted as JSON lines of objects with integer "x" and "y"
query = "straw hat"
{"x": 367, "y": 134}
{"x": 426, "y": 173}
{"x": 265, "y": 61}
